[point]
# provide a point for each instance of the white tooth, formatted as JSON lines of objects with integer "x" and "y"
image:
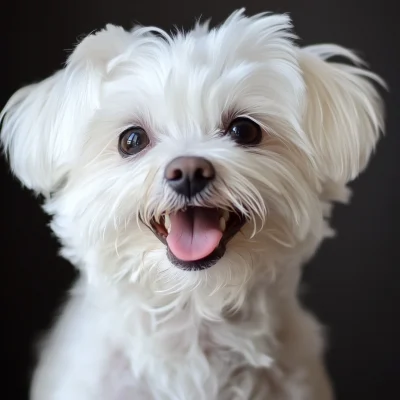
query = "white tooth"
{"x": 167, "y": 223}
{"x": 226, "y": 215}
{"x": 222, "y": 224}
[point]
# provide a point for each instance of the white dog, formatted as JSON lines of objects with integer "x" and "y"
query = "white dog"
{"x": 189, "y": 177}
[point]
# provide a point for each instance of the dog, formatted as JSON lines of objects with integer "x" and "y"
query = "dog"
{"x": 189, "y": 177}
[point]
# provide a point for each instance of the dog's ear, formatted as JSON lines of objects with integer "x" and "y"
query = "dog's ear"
{"x": 344, "y": 111}
{"x": 43, "y": 124}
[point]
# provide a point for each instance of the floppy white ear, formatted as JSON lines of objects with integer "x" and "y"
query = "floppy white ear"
{"x": 344, "y": 112}
{"x": 43, "y": 123}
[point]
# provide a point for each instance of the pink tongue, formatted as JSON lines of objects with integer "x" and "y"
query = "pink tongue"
{"x": 194, "y": 234}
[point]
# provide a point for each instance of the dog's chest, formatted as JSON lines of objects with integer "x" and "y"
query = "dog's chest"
{"x": 187, "y": 359}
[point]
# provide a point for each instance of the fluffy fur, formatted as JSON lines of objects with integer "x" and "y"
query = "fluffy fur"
{"x": 136, "y": 326}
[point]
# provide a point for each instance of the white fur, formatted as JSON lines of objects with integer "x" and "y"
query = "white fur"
{"x": 135, "y": 326}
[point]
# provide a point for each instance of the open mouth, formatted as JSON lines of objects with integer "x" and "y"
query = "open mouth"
{"x": 196, "y": 237}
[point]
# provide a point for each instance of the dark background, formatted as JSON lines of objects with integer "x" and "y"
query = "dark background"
{"x": 352, "y": 283}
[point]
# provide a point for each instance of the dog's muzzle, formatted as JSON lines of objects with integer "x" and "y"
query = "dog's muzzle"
{"x": 195, "y": 237}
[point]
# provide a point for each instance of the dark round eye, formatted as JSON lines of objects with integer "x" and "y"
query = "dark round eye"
{"x": 133, "y": 141}
{"x": 244, "y": 132}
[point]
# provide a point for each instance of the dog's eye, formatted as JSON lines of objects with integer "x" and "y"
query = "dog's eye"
{"x": 132, "y": 141}
{"x": 244, "y": 132}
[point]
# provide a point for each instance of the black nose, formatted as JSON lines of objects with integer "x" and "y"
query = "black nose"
{"x": 189, "y": 175}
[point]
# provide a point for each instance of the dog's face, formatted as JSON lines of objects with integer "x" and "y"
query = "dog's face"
{"x": 180, "y": 158}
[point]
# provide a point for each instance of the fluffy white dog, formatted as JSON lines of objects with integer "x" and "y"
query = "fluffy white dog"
{"x": 189, "y": 177}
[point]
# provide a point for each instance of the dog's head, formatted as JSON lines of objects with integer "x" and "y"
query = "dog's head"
{"x": 173, "y": 156}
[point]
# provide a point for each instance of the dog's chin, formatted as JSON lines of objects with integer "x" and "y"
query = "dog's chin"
{"x": 207, "y": 228}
